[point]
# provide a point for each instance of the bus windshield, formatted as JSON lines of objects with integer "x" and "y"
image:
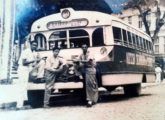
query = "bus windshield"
{"x": 70, "y": 38}
{"x": 58, "y": 39}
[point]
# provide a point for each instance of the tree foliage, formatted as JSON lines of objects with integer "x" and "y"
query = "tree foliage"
{"x": 144, "y": 7}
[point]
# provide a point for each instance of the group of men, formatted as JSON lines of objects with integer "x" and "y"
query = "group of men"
{"x": 30, "y": 64}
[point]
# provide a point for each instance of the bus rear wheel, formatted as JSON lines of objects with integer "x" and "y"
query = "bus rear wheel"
{"x": 132, "y": 90}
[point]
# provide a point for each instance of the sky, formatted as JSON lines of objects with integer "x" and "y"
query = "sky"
{"x": 116, "y": 5}
{"x": 23, "y": 5}
{"x": 26, "y": 12}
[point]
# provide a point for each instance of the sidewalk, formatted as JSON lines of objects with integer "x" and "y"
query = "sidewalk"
{"x": 152, "y": 84}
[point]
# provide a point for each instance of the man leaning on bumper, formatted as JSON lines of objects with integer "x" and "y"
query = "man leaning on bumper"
{"x": 54, "y": 66}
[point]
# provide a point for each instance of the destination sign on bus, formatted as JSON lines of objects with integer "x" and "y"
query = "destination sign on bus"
{"x": 67, "y": 24}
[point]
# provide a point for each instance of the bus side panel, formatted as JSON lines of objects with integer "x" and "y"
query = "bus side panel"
{"x": 127, "y": 62}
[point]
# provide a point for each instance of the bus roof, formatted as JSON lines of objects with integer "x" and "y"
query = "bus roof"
{"x": 69, "y": 18}
{"x": 75, "y": 19}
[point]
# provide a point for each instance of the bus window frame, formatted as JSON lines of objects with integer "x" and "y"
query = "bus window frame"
{"x": 69, "y": 38}
{"x": 130, "y": 42}
{"x": 117, "y": 41}
{"x": 39, "y": 43}
{"x": 134, "y": 40}
{"x": 57, "y": 39}
{"x": 125, "y": 42}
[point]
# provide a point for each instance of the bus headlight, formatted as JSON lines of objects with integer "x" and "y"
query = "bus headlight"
{"x": 103, "y": 51}
{"x": 71, "y": 70}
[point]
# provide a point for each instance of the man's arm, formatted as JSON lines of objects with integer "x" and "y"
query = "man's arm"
{"x": 25, "y": 62}
{"x": 62, "y": 64}
{"x": 48, "y": 65}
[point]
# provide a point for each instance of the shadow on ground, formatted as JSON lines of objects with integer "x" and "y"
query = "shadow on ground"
{"x": 72, "y": 100}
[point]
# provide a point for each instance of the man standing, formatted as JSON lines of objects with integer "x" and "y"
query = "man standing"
{"x": 26, "y": 63}
{"x": 89, "y": 72}
{"x": 158, "y": 71}
{"x": 54, "y": 66}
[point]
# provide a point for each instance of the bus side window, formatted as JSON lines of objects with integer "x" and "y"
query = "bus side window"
{"x": 141, "y": 42}
{"x": 129, "y": 38}
{"x": 125, "y": 37}
{"x": 117, "y": 35}
{"x": 97, "y": 37}
{"x": 150, "y": 47}
{"x": 41, "y": 41}
{"x": 145, "y": 46}
{"x": 134, "y": 40}
{"x": 138, "y": 41}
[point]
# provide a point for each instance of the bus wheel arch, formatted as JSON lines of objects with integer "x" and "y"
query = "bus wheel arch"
{"x": 132, "y": 90}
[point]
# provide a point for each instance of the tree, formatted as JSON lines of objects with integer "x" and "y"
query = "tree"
{"x": 144, "y": 7}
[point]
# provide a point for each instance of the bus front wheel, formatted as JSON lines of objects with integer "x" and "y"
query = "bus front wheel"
{"x": 132, "y": 90}
{"x": 35, "y": 98}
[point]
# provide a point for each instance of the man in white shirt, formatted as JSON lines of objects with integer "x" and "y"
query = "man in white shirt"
{"x": 54, "y": 66}
{"x": 158, "y": 71}
{"x": 26, "y": 63}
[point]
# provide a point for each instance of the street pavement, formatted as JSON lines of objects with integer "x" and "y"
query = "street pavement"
{"x": 148, "y": 106}
{"x": 7, "y": 92}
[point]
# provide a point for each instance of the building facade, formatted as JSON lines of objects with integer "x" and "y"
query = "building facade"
{"x": 133, "y": 17}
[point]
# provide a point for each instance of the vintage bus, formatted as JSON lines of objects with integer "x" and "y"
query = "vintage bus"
{"x": 124, "y": 54}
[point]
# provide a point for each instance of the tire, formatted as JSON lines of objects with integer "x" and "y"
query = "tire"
{"x": 132, "y": 90}
{"x": 35, "y": 98}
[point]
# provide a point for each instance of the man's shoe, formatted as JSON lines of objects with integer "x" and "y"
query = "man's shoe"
{"x": 46, "y": 106}
{"x": 89, "y": 104}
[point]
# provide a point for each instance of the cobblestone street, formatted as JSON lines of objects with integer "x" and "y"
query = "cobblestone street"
{"x": 148, "y": 106}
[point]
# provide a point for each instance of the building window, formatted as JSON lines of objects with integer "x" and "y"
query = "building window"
{"x": 140, "y": 22}
{"x": 157, "y": 41}
{"x": 156, "y": 48}
{"x": 149, "y": 19}
{"x": 130, "y": 20}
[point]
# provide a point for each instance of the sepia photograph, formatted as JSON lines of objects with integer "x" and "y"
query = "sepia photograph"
{"x": 82, "y": 59}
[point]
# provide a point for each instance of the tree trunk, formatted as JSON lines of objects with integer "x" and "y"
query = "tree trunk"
{"x": 144, "y": 18}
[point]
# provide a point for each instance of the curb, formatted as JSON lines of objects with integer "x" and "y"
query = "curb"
{"x": 143, "y": 85}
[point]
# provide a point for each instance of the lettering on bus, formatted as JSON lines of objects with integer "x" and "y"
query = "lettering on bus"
{"x": 130, "y": 58}
{"x": 67, "y": 24}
